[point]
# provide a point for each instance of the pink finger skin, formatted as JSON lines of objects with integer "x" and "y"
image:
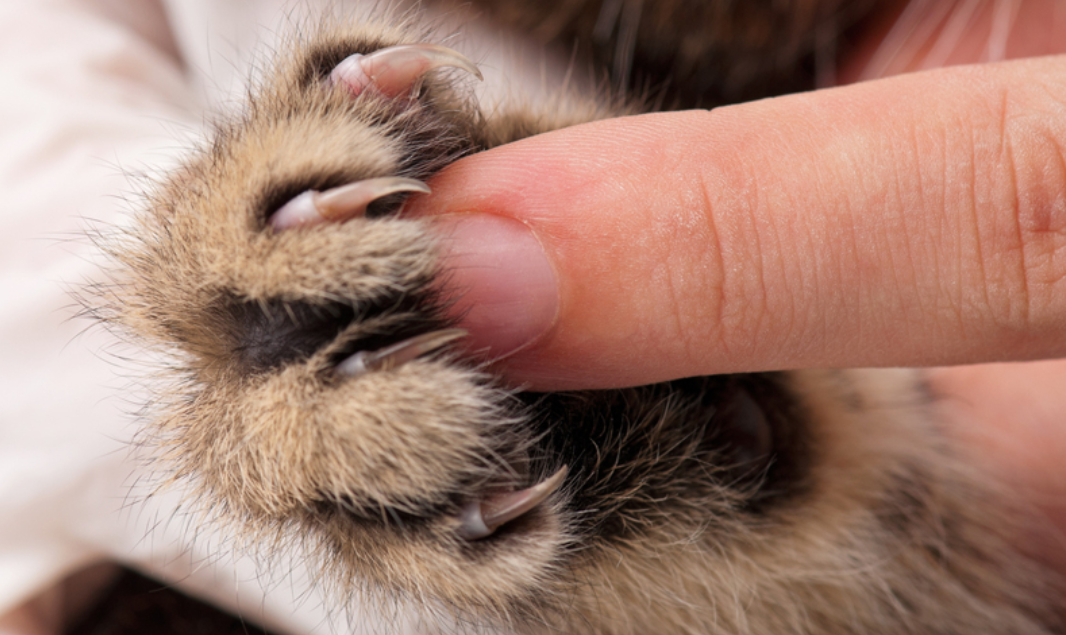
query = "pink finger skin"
{"x": 878, "y": 224}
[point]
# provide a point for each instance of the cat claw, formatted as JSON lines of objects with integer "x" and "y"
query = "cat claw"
{"x": 395, "y": 70}
{"x": 480, "y": 518}
{"x": 398, "y": 354}
{"x": 340, "y": 203}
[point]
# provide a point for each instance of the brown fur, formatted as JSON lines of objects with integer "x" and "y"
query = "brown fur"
{"x": 858, "y": 518}
{"x": 692, "y": 53}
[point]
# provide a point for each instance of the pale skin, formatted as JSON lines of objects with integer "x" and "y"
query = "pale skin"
{"x": 918, "y": 220}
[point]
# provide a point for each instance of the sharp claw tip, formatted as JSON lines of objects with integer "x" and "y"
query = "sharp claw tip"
{"x": 482, "y": 517}
{"x": 399, "y": 354}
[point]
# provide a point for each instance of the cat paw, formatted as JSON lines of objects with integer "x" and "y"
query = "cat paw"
{"x": 317, "y": 388}
{"x": 318, "y": 394}
{"x": 393, "y": 73}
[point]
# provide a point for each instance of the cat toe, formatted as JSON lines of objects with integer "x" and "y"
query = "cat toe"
{"x": 340, "y": 203}
{"x": 395, "y": 70}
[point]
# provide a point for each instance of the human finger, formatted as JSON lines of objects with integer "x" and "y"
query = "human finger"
{"x": 916, "y": 220}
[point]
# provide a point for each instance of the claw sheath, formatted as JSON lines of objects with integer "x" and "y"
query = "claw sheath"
{"x": 340, "y": 203}
{"x": 395, "y": 70}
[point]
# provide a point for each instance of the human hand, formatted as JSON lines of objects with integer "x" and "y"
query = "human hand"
{"x": 915, "y": 221}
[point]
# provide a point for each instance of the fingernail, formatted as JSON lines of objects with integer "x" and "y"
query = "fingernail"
{"x": 498, "y": 278}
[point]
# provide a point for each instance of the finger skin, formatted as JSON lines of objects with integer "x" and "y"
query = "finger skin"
{"x": 915, "y": 220}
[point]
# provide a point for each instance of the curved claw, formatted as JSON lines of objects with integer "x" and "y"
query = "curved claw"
{"x": 398, "y": 354}
{"x": 340, "y": 203}
{"x": 394, "y": 70}
{"x": 480, "y": 518}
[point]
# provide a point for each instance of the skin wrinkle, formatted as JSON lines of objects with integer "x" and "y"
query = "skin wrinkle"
{"x": 799, "y": 282}
{"x": 779, "y": 211}
{"x": 1001, "y": 243}
{"x": 899, "y": 191}
{"x": 653, "y": 231}
{"x": 722, "y": 188}
{"x": 715, "y": 245}
{"x": 854, "y": 205}
{"x": 988, "y": 232}
{"x": 837, "y": 269}
{"x": 850, "y": 213}
{"x": 864, "y": 203}
{"x": 1011, "y": 171}
{"x": 813, "y": 239}
{"x": 1040, "y": 183}
{"x": 1047, "y": 222}
{"x": 753, "y": 300}
{"x": 708, "y": 271}
{"x": 667, "y": 275}
{"x": 875, "y": 287}
{"x": 1057, "y": 216}
{"x": 761, "y": 210}
{"x": 970, "y": 220}
{"x": 673, "y": 284}
{"x": 680, "y": 276}
{"x": 889, "y": 208}
{"x": 949, "y": 279}
{"x": 1015, "y": 160}
{"x": 793, "y": 281}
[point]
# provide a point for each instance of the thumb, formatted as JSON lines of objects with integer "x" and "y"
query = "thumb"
{"x": 911, "y": 221}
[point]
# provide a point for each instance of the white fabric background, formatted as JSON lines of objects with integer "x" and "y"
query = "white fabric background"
{"x": 91, "y": 90}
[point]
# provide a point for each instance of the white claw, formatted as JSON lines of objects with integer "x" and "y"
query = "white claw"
{"x": 340, "y": 203}
{"x": 398, "y": 354}
{"x": 480, "y": 518}
{"x": 395, "y": 70}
